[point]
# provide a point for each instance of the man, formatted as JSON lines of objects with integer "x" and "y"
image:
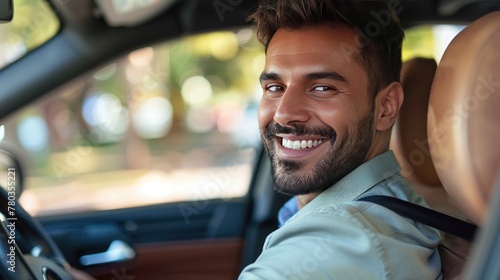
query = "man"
{"x": 331, "y": 94}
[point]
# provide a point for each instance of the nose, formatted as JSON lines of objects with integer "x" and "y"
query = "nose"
{"x": 292, "y": 108}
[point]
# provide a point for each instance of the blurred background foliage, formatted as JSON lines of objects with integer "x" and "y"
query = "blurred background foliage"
{"x": 428, "y": 41}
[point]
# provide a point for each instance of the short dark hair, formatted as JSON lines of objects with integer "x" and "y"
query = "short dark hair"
{"x": 379, "y": 33}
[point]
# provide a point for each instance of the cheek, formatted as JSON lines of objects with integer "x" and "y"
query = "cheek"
{"x": 266, "y": 112}
{"x": 334, "y": 115}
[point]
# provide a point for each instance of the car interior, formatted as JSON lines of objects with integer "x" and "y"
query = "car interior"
{"x": 220, "y": 211}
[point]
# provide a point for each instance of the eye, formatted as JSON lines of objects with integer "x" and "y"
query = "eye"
{"x": 323, "y": 88}
{"x": 274, "y": 88}
{"x": 322, "y": 91}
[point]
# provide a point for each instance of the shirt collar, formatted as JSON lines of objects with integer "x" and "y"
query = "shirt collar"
{"x": 353, "y": 184}
{"x": 289, "y": 209}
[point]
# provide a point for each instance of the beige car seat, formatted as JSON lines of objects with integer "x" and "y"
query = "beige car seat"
{"x": 463, "y": 120}
{"x": 464, "y": 114}
{"x": 409, "y": 139}
{"x": 457, "y": 148}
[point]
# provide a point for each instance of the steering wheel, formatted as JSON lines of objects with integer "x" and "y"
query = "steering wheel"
{"x": 44, "y": 262}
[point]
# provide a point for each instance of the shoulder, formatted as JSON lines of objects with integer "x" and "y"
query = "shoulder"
{"x": 342, "y": 240}
{"x": 356, "y": 221}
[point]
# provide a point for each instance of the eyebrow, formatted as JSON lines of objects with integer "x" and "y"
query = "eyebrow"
{"x": 325, "y": 75}
{"x": 266, "y": 76}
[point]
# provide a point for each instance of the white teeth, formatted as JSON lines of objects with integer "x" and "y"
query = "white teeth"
{"x": 303, "y": 144}
{"x": 287, "y": 143}
{"x": 297, "y": 145}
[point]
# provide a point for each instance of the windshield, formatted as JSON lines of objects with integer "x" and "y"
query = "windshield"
{"x": 34, "y": 23}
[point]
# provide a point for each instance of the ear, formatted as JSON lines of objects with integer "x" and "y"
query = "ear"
{"x": 388, "y": 102}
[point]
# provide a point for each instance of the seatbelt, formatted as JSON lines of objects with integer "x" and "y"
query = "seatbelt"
{"x": 425, "y": 216}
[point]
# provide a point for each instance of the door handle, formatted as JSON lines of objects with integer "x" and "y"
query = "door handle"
{"x": 118, "y": 251}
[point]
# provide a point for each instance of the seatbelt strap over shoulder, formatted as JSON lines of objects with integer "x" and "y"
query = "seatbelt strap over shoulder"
{"x": 425, "y": 216}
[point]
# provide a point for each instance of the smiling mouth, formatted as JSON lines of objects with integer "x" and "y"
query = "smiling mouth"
{"x": 300, "y": 144}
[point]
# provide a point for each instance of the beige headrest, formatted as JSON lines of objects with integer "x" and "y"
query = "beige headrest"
{"x": 464, "y": 116}
{"x": 409, "y": 134}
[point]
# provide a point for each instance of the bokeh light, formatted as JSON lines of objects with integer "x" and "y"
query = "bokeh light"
{"x": 105, "y": 73}
{"x": 142, "y": 57}
{"x": 104, "y": 112}
{"x": 225, "y": 47}
{"x": 2, "y": 132}
{"x": 196, "y": 90}
{"x": 33, "y": 134}
{"x": 153, "y": 118}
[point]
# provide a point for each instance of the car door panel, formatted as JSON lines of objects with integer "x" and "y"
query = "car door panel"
{"x": 167, "y": 241}
{"x": 194, "y": 259}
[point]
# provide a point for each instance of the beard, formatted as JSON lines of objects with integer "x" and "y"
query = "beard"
{"x": 342, "y": 158}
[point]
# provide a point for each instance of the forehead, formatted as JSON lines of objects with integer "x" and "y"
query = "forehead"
{"x": 322, "y": 39}
{"x": 314, "y": 48}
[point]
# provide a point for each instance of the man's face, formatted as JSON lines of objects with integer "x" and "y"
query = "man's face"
{"x": 316, "y": 116}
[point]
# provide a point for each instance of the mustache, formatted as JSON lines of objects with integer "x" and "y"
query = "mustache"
{"x": 300, "y": 130}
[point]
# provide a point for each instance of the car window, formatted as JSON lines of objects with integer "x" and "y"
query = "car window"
{"x": 175, "y": 121}
{"x": 33, "y": 24}
{"x": 429, "y": 41}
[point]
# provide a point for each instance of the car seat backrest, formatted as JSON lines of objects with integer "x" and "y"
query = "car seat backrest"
{"x": 463, "y": 122}
{"x": 409, "y": 139}
{"x": 464, "y": 114}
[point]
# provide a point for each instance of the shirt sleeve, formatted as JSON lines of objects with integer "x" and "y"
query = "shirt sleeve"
{"x": 335, "y": 244}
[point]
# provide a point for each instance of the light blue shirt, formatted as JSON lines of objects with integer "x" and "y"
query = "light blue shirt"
{"x": 336, "y": 237}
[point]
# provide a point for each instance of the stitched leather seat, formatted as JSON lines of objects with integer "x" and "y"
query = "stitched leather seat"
{"x": 464, "y": 111}
{"x": 462, "y": 122}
